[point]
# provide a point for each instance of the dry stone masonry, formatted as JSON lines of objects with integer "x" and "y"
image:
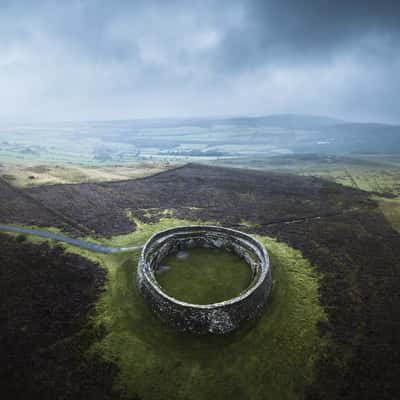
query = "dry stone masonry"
{"x": 217, "y": 318}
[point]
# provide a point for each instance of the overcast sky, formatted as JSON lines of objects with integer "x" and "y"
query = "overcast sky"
{"x": 92, "y": 59}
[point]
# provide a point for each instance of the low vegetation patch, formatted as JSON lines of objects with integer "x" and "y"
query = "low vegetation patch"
{"x": 26, "y": 174}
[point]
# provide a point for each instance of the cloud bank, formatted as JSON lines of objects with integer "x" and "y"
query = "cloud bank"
{"x": 90, "y": 59}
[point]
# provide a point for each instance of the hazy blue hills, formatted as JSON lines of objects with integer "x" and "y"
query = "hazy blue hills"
{"x": 194, "y": 139}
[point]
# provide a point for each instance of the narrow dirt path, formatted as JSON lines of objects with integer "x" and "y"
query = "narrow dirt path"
{"x": 98, "y": 248}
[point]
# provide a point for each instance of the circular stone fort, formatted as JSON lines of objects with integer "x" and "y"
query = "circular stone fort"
{"x": 216, "y": 318}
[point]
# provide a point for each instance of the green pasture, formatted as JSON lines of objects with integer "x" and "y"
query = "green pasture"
{"x": 204, "y": 276}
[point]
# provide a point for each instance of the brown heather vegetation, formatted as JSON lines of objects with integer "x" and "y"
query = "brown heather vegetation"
{"x": 46, "y": 296}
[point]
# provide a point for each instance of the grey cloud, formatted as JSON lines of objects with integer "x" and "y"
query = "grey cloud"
{"x": 92, "y": 59}
{"x": 311, "y": 31}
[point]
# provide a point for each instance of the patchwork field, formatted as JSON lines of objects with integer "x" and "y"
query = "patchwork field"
{"x": 238, "y": 141}
{"x": 370, "y": 172}
{"x": 331, "y": 322}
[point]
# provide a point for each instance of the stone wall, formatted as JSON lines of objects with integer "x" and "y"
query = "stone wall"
{"x": 216, "y": 318}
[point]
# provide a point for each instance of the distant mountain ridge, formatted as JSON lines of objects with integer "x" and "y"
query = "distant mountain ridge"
{"x": 286, "y": 121}
{"x": 281, "y": 120}
{"x": 298, "y": 121}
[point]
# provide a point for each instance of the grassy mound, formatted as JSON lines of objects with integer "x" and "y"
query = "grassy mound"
{"x": 273, "y": 359}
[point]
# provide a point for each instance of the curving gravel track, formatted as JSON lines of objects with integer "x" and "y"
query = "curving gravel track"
{"x": 98, "y": 248}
